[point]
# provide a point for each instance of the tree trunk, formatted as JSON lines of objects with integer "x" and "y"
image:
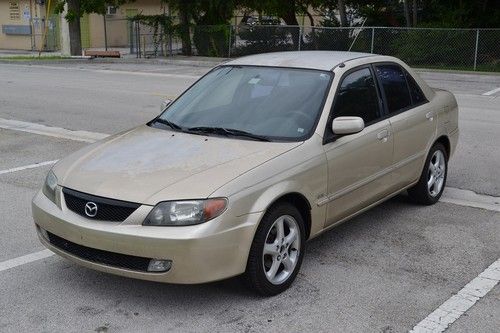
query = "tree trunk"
{"x": 311, "y": 18}
{"x": 185, "y": 34}
{"x": 407, "y": 13}
{"x": 288, "y": 15}
{"x": 414, "y": 13}
{"x": 75, "y": 36}
{"x": 342, "y": 13}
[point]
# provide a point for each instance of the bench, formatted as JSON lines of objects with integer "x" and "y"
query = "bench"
{"x": 102, "y": 54}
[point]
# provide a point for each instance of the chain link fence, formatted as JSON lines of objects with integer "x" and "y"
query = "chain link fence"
{"x": 45, "y": 34}
{"x": 465, "y": 49}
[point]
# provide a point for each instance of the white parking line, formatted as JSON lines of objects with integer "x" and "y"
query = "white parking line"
{"x": 179, "y": 76}
{"x": 111, "y": 71}
{"x": 457, "y": 305}
{"x": 57, "y": 132}
{"x": 11, "y": 263}
{"x": 469, "y": 198}
{"x": 491, "y": 92}
{"x": 30, "y": 166}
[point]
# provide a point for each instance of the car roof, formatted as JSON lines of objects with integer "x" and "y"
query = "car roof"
{"x": 322, "y": 60}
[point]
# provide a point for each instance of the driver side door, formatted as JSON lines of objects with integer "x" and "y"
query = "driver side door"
{"x": 358, "y": 164}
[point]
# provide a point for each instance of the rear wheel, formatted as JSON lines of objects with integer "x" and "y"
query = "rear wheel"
{"x": 431, "y": 184}
{"x": 277, "y": 250}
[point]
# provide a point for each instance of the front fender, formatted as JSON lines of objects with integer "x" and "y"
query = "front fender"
{"x": 302, "y": 170}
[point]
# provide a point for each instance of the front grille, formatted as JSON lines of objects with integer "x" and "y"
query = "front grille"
{"x": 107, "y": 209}
{"x": 100, "y": 256}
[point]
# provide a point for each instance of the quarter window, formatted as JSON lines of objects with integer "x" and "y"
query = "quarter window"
{"x": 357, "y": 96}
{"x": 417, "y": 96}
{"x": 395, "y": 88}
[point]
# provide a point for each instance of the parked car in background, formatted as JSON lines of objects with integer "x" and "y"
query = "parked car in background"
{"x": 260, "y": 155}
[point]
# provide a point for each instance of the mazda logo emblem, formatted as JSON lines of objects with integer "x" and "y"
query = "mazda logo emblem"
{"x": 91, "y": 209}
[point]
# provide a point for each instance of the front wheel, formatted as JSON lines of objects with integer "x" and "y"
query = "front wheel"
{"x": 431, "y": 184}
{"x": 277, "y": 250}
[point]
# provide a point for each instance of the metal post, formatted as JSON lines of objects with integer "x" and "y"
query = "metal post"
{"x": 475, "y": 52}
{"x": 373, "y": 38}
{"x": 138, "y": 39}
{"x": 229, "y": 47}
{"x": 105, "y": 33}
{"x": 300, "y": 37}
{"x": 131, "y": 34}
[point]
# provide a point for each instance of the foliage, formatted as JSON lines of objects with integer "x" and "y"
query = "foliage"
{"x": 203, "y": 13}
{"x": 76, "y": 8}
{"x": 418, "y": 47}
{"x": 323, "y": 38}
{"x": 161, "y": 25}
{"x": 265, "y": 38}
{"x": 461, "y": 14}
{"x": 213, "y": 40}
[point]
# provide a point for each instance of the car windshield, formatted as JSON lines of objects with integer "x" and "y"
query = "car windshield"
{"x": 251, "y": 102}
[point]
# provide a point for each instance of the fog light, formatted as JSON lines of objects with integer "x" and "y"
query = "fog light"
{"x": 158, "y": 265}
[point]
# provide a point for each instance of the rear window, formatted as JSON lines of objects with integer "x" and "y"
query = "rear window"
{"x": 394, "y": 86}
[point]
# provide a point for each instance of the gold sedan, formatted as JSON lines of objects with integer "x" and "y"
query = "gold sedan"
{"x": 258, "y": 156}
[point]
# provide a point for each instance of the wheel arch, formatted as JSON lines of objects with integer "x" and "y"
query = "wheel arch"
{"x": 299, "y": 201}
{"x": 445, "y": 141}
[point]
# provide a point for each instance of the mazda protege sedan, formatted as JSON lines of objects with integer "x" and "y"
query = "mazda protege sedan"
{"x": 255, "y": 158}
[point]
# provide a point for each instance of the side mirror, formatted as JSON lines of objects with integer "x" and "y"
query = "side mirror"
{"x": 165, "y": 104}
{"x": 347, "y": 125}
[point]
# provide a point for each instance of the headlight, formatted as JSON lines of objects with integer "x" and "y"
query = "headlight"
{"x": 186, "y": 212}
{"x": 49, "y": 187}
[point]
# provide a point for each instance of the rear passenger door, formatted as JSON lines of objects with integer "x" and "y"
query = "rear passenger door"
{"x": 412, "y": 119}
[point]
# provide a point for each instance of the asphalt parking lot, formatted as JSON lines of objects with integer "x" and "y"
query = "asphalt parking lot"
{"x": 387, "y": 270}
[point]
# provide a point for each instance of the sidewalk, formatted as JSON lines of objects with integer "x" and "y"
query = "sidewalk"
{"x": 14, "y": 56}
{"x": 24, "y": 53}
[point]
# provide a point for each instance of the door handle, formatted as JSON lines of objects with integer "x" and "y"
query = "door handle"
{"x": 430, "y": 115}
{"x": 383, "y": 135}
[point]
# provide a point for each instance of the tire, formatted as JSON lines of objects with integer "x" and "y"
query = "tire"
{"x": 435, "y": 171}
{"x": 283, "y": 257}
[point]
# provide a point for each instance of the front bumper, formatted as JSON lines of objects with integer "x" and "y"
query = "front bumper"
{"x": 211, "y": 251}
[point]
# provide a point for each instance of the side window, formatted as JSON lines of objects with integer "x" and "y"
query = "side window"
{"x": 417, "y": 96}
{"x": 395, "y": 88}
{"x": 357, "y": 96}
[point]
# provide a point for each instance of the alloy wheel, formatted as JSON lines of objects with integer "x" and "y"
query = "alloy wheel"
{"x": 436, "y": 173}
{"x": 281, "y": 249}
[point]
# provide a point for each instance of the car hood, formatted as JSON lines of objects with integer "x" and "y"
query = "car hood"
{"x": 148, "y": 165}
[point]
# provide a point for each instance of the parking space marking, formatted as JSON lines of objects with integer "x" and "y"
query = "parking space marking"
{"x": 111, "y": 71}
{"x": 179, "y": 76}
{"x": 491, "y": 92}
{"x": 458, "y": 304}
{"x": 470, "y": 198}
{"x": 11, "y": 263}
{"x": 57, "y": 132}
{"x": 30, "y": 166}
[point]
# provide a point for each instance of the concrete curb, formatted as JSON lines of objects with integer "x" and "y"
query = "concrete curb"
{"x": 454, "y": 71}
{"x": 203, "y": 62}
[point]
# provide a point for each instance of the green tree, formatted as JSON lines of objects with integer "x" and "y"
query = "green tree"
{"x": 76, "y": 8}
{"x": 201, "y": 13}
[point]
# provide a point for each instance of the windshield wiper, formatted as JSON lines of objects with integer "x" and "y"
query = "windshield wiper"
{"x": 168, "y": 123}
{"x": 227, "y": 132}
